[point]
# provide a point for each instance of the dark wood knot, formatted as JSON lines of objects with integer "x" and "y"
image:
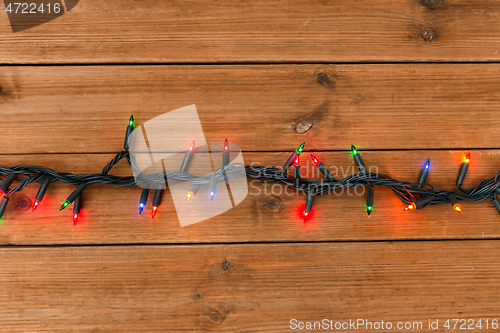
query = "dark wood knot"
{"x": 216, "y": 317}
{"x": 322, "y": 78}
{"x": 23, "y": 202}
{"x": 431, "y": 3}
{"x": 197, "y": 296}
{"x": 325, "y": 80}
{"x": 274, "y": 203}
{"x": 225, "y": 265}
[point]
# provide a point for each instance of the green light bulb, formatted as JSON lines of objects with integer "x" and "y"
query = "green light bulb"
{"x": 369, "y": 209}
{"x": 64, "y": 205}
{"x": 299, "y": 150}
{"x": 353, "y": 150}
{"x": 131, "y": 121}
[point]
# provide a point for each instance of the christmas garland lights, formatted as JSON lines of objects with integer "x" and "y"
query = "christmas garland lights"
{"x": 414, "y": 195}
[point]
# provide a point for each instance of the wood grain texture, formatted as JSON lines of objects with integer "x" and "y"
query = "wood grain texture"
{"x": 85, "y": 109}
{"x": 245, "y": 288}
{"x": 259, "y": 31}
{"x": 268, "y": 214}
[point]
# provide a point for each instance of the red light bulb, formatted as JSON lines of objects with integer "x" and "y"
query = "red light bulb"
{"x": 153, "y": 213}
{"x": 305, "y": 216}
{"x": 467, "y": 158}
{"x": 192, "y": 146}
{"x": 315, "y": 160}
{"x": 297, "y": 161}
{"x": 75, "y": 218}
{"x": 35, "y": 205}
{"x": 226, "y": 145}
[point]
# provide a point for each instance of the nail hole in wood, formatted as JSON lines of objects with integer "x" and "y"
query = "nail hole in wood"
{"x": 428, "y": 35}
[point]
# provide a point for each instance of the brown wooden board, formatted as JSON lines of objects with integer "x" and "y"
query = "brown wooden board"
{"x": 268, "y": 213}
{"x": 214, "y": 31}
{"x": 260, "y": 108}
{"x": 246, "y": 288}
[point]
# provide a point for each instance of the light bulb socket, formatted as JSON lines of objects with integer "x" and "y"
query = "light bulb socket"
{"x": 3, "y": 205}
{"x": 423, "y": 175}
{"x": 359, "y": 163}
{"x": 453, "y": 199}
{"x": 323, "y": 169}
{"x": 157, "y": 197}
{"x": 225, "y": 154}
{"x": 496, "y": 203}
{"x": 72, "y": 197}
{"x": 290, "y": 161}
{"x": 77, "y": 206}
{"x": 42, "y": 189}
{"x": 130, "y": 129}
{"x": 421, "y": 203}
{"x": 462, "y": 173}
{"x": 186, "y": 161}
{"x": 309, "y": 202}
{"x": 369, "y": 196}
{"x": 213, "y": 186}
{"x": 296, "y": 175}
{"x": 6, "y": 184}
{"x": 195, "y": 189}
{"x": 144, "y": 195}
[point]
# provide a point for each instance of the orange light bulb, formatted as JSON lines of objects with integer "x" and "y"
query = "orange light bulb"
{"x": 457, "y": 208}
{"x": 411, "y": 207}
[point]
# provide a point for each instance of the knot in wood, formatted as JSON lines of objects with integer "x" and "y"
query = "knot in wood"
{"x": 322, "y": 78}
{"x": 302, "y": 126}
{"x": 431, "y": 3}
{"x": 215, "y": 317}
{"x": 274, "y": 203}
{"x": 23, "y": 202}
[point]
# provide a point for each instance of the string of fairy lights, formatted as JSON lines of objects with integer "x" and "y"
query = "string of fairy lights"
{"x": 417, "y": 195}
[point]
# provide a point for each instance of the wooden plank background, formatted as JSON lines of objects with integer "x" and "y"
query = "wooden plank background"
{"x": 328, "y": 106}
{"x": 299, "y": 31}
{"x": 246, "y": 288}
{"x": 403, "y": 80}
{"x": 268, "y": 214}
